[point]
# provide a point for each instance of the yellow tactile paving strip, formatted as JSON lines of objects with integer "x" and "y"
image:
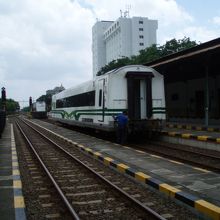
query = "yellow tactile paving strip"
{"x": 200, "y": 205}
{"x": 19, "y": 204}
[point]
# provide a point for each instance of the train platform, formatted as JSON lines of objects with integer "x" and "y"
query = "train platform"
{"x": 11, "y": 199}
{"x": 195, "y": 135}
{"x": 193, "y": 126}
{"x": 195, "y": 187}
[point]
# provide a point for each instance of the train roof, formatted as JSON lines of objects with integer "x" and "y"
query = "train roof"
{"x": 89, "y": 85}
{"x": 131, "y": 67}
{"x": 81, "y": 88}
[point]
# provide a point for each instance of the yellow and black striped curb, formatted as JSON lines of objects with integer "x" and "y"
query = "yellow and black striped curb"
{"x": 198, "y": 204}
{"x": 193, "y": 127}
{"x": 191, "y": 136}
{"x": 19, "y": 204}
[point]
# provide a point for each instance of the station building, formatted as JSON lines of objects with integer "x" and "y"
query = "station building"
{"x": 192, "y": 83}
{"x": 124, "y": 37}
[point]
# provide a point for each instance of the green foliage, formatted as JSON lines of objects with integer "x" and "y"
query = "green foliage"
{"x": 11, "y": 105}
{"x": 26, "y": 109}
{"x": 41, "y": 98}
{"x": 149, "y": 54}
{"x": 47, "y": 99}
{"x": 114, "y": 64}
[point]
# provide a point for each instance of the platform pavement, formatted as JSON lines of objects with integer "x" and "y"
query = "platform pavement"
{"x": 12, "y": 205}
{"x": 196, "y": 187}
{"x": 195, "y": 135}
{"x": 193, "y": 126}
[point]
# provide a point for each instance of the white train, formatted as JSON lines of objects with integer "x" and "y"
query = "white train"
{"x": 39, "y": 110}
{"x": 135, "y": 88}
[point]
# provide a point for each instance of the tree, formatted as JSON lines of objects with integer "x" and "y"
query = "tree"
{"x": 47, "y": 99}
{"x": 11, "y": 105}
{"x": 151, "y": 53}
{"x": 148, "y": 54}
{"x": 26, "y": 109}
{"x": 42, "y": 98}
{"x": 174, "y": 46}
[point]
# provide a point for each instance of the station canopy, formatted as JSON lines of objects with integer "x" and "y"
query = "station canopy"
{"x": 191, "y": 63}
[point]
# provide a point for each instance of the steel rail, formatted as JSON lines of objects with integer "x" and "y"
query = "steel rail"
{"x": 179, "y": 158}
{"x": 122, "y": 192}
{"x": 68, "y": 205}
{"x": 189, "y": 151}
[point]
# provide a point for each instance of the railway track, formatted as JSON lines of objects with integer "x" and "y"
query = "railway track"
{"x": 85, "y": 190}
{"x": 203, "y": 158}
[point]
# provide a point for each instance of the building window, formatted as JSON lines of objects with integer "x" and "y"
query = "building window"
{"x": 141, "y": 22}
{"x": 141, "y": 44}
{"x": 141, "y": 29}
{"x": 141, "y": 36}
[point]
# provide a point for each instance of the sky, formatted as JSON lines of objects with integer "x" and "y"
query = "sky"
{"x": 46, "y": 43}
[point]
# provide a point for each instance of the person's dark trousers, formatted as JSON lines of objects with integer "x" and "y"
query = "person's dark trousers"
{"x": 121, "y": 135}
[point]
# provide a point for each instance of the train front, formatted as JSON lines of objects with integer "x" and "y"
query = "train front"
{"x": 144, "y": 98}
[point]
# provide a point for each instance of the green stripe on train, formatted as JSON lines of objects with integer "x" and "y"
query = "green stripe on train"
{"x": 158, "y": 108}
{"x": 107, "y": 112}
{"x": 77, "y": 113}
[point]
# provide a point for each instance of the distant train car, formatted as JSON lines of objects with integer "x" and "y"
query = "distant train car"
{"x": 137, "y": 89}
{"x": 39, "y": 110}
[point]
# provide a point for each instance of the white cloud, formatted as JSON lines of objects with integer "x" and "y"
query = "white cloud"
{"x": 196, "y": 32}
{"x": 167, "y": 11}
{"x": 44, "y": 43}
{"x": 216, "y": 20}
{"x": 43, "y": 40}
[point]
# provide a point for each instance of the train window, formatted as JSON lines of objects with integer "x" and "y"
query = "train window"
{"x": 83, "y": 99}
{"x": 59, "y": 103}
{"x": 100, "y": 97}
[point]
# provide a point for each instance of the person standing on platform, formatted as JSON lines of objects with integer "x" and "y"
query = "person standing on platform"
{"x": 121, "y": 127}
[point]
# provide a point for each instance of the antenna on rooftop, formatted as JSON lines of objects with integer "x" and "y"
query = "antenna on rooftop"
{"x": 121, "y": 12}
{"x": 126, "y": 13}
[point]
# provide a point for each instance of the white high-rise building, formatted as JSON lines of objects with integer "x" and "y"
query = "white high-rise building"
{"x": 122, "y": 38}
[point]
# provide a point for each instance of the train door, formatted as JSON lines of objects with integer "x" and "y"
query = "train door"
{"x": 139, "y": 95}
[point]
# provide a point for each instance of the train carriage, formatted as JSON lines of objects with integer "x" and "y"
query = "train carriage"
{"x": 137, "y": 89}
{"x": 39, "y": 110}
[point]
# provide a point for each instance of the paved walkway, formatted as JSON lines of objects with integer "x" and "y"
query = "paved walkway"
{"x": 11, "y": 199}
{"x": 189, "y": 184}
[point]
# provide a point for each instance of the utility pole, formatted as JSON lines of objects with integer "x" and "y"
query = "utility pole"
{"x": 30, "y": 103}
{"x": 3, "y": 111}
{"x": 3, "y": 99}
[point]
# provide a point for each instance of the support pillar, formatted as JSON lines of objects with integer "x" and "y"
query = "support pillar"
{"x": 207, "y": 95}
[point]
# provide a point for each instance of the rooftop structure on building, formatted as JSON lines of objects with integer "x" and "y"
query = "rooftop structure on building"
{"x": 125, "y": 37}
